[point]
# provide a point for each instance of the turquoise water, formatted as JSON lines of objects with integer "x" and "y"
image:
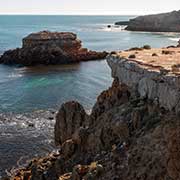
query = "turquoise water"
{"x": 27, "y": 89}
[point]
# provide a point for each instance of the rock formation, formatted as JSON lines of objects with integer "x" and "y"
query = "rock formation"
{"x": 50, "y": 48}
{"x": 153, "y": 77}
{"x": 128, "y": 136}
{"x": 166, "y": 22}
{"x": 122, "y": 23}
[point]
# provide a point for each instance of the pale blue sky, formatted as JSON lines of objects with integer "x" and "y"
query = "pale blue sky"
{"x": 87, "y": 6}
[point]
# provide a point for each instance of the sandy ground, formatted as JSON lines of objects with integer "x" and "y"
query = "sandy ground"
{"x": 164, "y": 58}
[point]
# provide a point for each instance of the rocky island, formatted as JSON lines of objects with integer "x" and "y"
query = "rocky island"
{"x": 50, "y": 48}
{"x": 132, "y": 132}
{"x": 164, "y": 22}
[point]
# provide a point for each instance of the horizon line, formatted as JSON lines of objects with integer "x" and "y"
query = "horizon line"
{"x": 72, "y": 14}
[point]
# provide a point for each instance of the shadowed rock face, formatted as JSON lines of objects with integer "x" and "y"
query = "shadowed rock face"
{"x": 166, "y": 22}
{"x": 70, "y": 117}
{"x": 130, "y": 138}
{"x": 50, "y": 48}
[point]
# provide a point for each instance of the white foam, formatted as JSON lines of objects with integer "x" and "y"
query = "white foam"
{"x": 113, "y": 29}
{"x": 14, "y": 75}
{"x": 174, "y": 39}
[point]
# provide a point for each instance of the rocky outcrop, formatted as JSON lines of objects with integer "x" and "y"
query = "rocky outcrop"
{"x": 50, "y": 48}
{"x": 122, "y": 23}
{"x": 166, "y": 22}
{"x": 70, "y": 117}
{"x": 127, "y": 136}
{"x": 152, "y": 77}
{"x": 133, "y": 139}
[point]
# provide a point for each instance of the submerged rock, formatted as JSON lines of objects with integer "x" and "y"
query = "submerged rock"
{"x": 50, "y": 48}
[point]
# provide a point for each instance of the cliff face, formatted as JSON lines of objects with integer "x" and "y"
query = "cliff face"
{"x": 130, "y": 134}
{"x": 154, "y": 77}
{"x": 50, "y": 48}
{"x": 166, "y": 22}
{"x": 125, "y": 137}
{"x": 65, "y": 41}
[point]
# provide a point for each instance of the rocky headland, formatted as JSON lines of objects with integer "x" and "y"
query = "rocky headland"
{"x": 133, "y": 131}
{"x": 165, "y": 22}
{"x": 50, "y": 48}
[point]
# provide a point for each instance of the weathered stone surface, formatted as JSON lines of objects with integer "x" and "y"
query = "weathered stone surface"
{"x": 131, "y": 139}
{"x": 166, "y": 22}
{"x": 69, "y": 119}
{"x": 127, "y": 136}
{"x": 114, "y": 96}
{"x": 151, "y": 77}
{"x": 50, "y": 48}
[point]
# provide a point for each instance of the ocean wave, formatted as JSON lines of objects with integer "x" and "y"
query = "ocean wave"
{"x": 112, "y": 28}
{"x": 14, "y": 75}
{"x": 174, "y": 39}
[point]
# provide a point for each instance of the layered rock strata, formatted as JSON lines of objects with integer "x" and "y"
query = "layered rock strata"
{"x": 153, "y": 77}
{"x": 50, "y": 48}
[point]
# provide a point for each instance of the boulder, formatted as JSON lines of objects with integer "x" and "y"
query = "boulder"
{"x": 50, "y": 48}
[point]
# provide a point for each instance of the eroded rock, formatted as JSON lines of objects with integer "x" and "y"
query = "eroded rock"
{"x": 165, "y": 22}
{"x": 50, "y": 48}
{"x": 69, "y": 119}
{"x": 151, "y": 77}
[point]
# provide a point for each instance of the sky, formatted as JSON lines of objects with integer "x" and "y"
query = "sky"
{"x": 89, "y": 7}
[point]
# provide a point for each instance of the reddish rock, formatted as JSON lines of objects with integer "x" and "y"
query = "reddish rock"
{"x": 114, "y": 96}
{"x": 69, "y": 119}
{"x": 50, "y": 48}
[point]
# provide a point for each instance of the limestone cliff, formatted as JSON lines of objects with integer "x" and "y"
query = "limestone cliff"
{"x": 154, "y": 77}
{"x": 165, "y": 22}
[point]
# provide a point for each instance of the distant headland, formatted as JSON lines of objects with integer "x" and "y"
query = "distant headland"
{"x": 164, "y": 22}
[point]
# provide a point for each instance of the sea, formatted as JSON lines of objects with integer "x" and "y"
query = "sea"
{"x": 28, "y": 94}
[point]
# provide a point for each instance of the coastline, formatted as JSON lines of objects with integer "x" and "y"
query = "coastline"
{"x": 109, "y": 101}
{"x": 125, "y": 128}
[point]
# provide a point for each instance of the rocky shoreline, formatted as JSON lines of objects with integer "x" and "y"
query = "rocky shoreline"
{"x": 47, "y": 48}
{"x": 164, "y": 22}
{"x": 129, "y": 135}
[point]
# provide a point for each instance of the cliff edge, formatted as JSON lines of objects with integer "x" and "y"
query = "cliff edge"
{"x": 153, "y": 73}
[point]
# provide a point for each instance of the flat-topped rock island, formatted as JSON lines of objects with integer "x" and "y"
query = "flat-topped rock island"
{"x": 47, "y": 47}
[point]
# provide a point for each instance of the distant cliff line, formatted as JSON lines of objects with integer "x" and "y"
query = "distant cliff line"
{"x": 164, "y": 22}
